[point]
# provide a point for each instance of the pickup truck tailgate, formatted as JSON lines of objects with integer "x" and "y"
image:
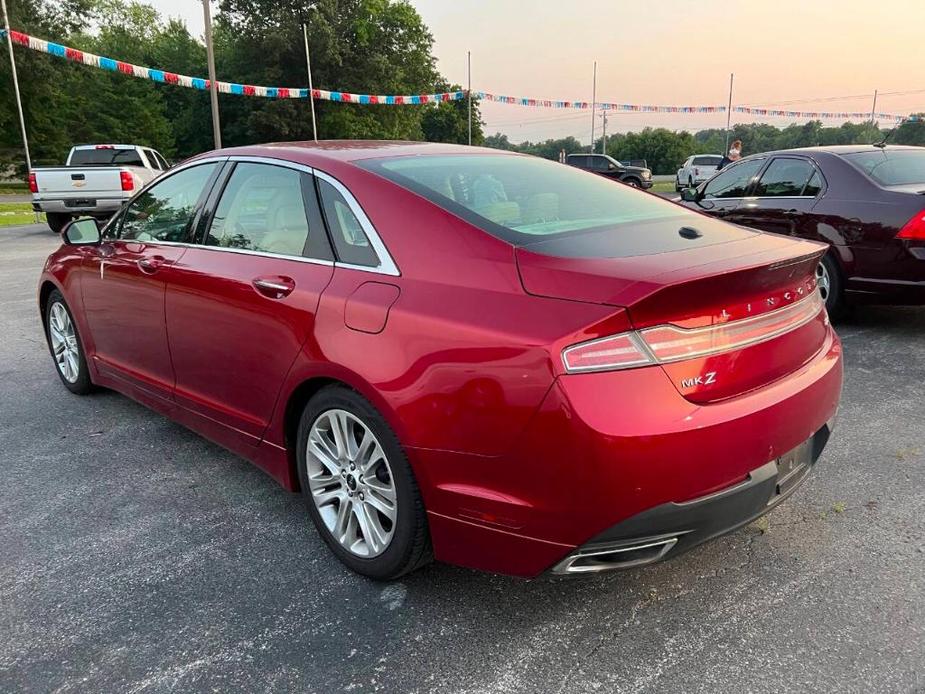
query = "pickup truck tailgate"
{"x": 63, "y": 182}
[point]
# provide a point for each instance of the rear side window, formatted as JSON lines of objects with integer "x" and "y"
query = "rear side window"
{"x": 164, "y": 212}
{"x": 733, "y": 182}
{"x": 105, "y": 156}
{"x": 350, "y": 241}
{"x": 706, "y": 161}
{"x": 891, "y": 167}
{"x": 785, "y": 177}
{"x": 578, "y": 160}
{"x": 261, "y": 209}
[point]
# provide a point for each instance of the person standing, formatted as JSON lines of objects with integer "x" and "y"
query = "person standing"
{"x": 735, "y": 152}
{"x": 562, "y": 156}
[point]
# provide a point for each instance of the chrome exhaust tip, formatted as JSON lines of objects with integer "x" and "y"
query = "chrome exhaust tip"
{"x": 601, "y": 558}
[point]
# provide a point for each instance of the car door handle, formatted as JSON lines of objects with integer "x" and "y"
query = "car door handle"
{"x": 150, "y": 265}
{"x": 793, "y": 213}
{"x": 274, "y": 287}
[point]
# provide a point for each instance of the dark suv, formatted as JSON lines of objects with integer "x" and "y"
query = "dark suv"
{"x": 635, "y": 176}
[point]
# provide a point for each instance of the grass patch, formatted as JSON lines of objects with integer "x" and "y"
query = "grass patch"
{"x": 14, "y": 188}
{"x": 663, "y": 187}
{"x": 17, "y": 213}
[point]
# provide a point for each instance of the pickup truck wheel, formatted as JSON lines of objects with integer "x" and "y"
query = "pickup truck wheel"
{"x": 632, "y": 182}
{"x": 57, "y": 221}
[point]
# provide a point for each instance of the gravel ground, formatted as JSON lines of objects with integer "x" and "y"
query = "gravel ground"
{"x": 139, "y": 557}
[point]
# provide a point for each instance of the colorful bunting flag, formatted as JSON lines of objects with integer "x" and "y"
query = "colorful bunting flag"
{"x": 165, "y": 77}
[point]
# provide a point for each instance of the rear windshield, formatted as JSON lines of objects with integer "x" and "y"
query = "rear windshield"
{"x": 891, "y": 167}
{"x": 105, "y": 157}
{"x": 706, "y": 161}
{"x": 524, "y": 199}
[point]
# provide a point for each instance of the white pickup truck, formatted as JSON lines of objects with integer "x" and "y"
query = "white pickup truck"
{"x": 94, "y": 182}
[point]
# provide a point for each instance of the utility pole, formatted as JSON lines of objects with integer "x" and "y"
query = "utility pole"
{"x": 469, "y": 91}
{"x": 604, "y": 132}
{"x": 593, "y": 99}
{"x": 213, "y": 85}
{"x": 728, "y": 114}
{"x": 308, "y": 66}
{"x": 22, "y": 119}
{"x": 873, "y": 109}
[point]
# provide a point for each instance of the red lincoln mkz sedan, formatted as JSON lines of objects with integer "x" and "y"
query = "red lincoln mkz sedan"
{"x": 451, "y": 352}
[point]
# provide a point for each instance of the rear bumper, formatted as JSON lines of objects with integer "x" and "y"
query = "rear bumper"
{"x": 670, "y": 529}
{"x": 608, "y": 453}
{"x": 100, "y": 206}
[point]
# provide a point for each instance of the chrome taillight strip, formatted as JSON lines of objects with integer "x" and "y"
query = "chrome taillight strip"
{"x": 648, "y": 346}
{"x": 758, "y": 329}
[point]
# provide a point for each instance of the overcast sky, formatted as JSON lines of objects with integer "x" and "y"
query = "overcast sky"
{"x": 794, "y": 54}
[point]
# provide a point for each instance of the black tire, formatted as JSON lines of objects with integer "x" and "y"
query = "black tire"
{"x": 57, "y": 221}
{"x": 835, "y": 296}
{"x": 409, "y": 547}
{"x": 690, "y": 182}
{"x": 677, "y": 185}
{"x": 81, "y": 385}
{"x": 633, "y": 182}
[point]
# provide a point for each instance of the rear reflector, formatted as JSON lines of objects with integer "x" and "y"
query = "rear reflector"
{"x": 669, "y": 343}
{"x": 128, "y": 182}
{"x": 914, "y": 229}
{"x": 33, "y": 184}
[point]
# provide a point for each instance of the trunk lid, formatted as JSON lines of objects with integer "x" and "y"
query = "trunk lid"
{"x": 736, "y": 309}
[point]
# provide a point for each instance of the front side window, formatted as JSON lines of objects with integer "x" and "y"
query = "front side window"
{"x": 165, "y": 211}
{"x": 350, "y": 241}
{"x": 261, "y": 209}
{"x": 785, "y": 177}
{"x": 733, "y": 182}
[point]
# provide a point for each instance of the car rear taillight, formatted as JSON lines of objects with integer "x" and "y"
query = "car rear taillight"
{"x": 914, "y": 229}
{"x": 128, "y": 181}
{"x": 664, "y": 344}
{"x": 33, "y": 184}
{"x": 606, "y": 354}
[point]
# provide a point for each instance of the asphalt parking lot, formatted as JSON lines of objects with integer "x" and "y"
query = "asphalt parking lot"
{"x": 139, "y": 557}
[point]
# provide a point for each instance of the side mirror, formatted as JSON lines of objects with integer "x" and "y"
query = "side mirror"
{"x": 611, "y": 166}
{"x": 689, "y": 194}
{"x": 82, "y": 232}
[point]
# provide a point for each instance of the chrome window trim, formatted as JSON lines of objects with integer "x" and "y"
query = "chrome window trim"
{"x": 386, "y": 264}
{"x": 222, "y": 249}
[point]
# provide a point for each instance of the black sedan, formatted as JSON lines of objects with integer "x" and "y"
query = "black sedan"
{"x": 867, "y": 201}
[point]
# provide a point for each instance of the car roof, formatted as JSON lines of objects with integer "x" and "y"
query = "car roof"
{"x": 310, "y": 152}
{"x": 841, "y": 149}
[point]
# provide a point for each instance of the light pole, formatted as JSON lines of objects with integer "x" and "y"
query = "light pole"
{"x": 308, "y": 66}
{"x": 469, "y": 91}
{"x": 213, "y": 85}
{"x": 22, "y": 119}
{"x": 604, "y": 132}
{"x": 728, "y": 115}
{"x": 593, "y": 99}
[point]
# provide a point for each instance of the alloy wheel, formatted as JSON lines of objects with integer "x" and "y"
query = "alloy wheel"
{"x": 351, "y": 483}
{"x": 64, "y": 342}
{"x": 823, "y": 281}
